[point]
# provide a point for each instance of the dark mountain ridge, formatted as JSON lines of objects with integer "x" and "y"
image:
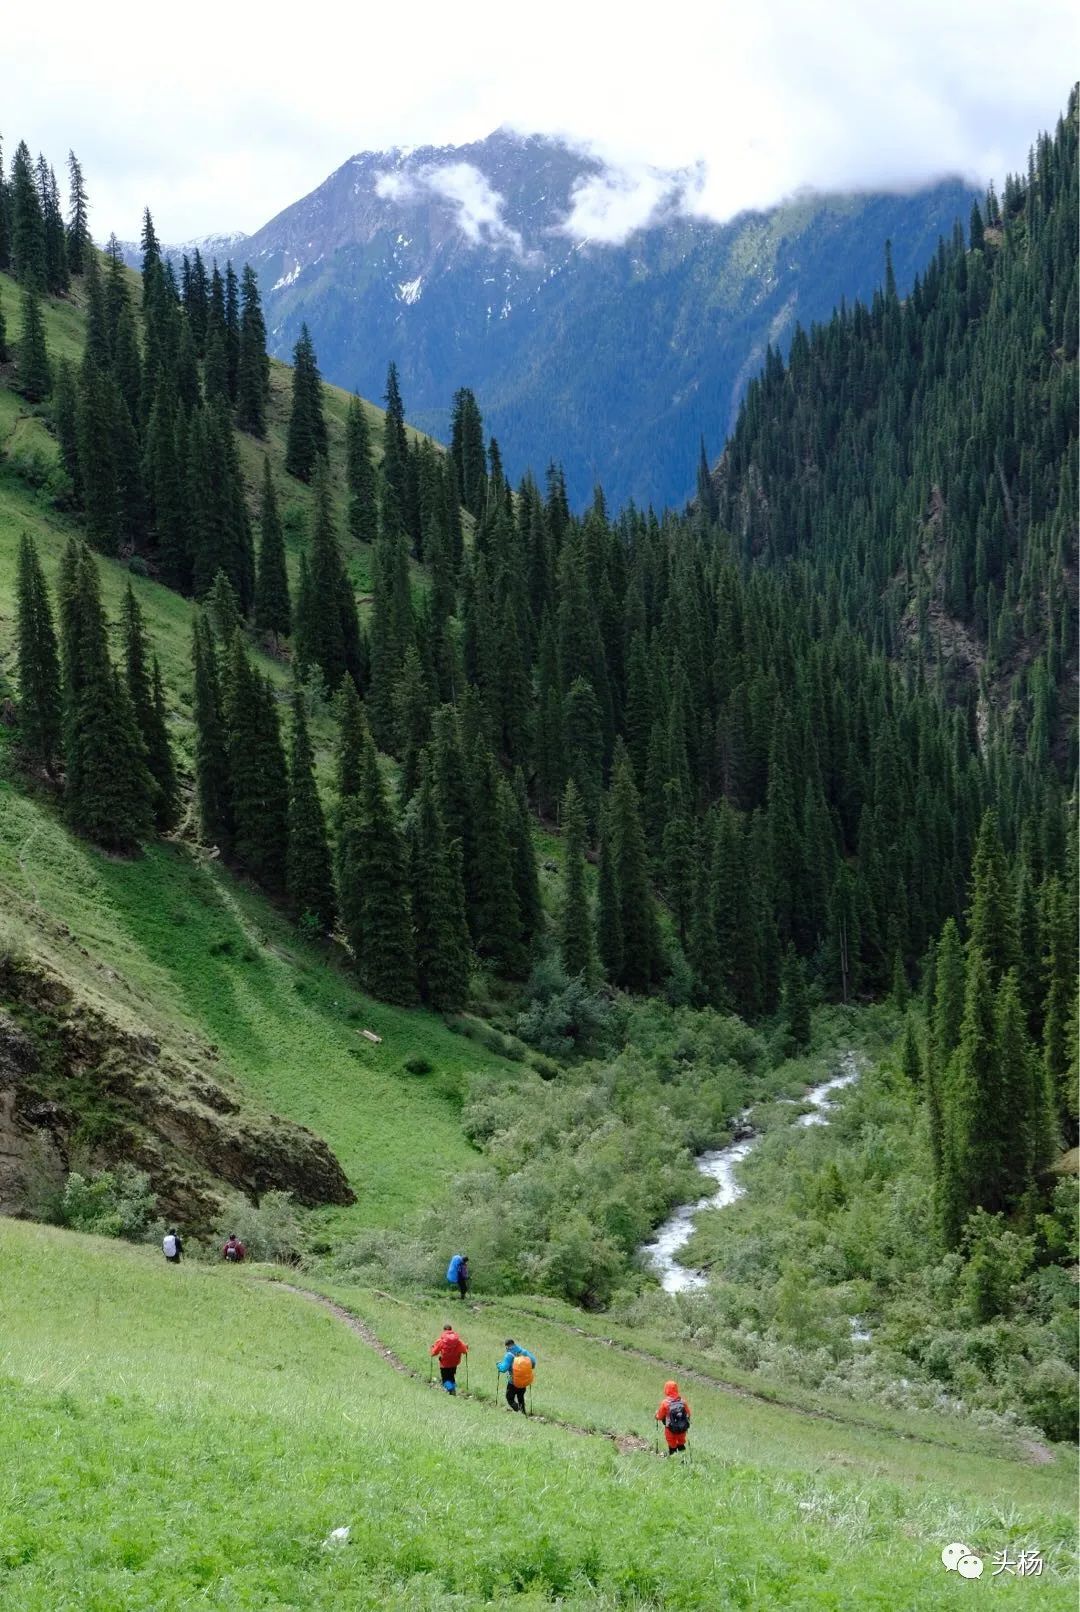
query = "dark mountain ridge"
{"x": 457, "y": 262}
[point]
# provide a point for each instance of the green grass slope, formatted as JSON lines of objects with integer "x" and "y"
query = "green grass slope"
{"x": 181, "y": 1438}
{"x": 170, "y": 942}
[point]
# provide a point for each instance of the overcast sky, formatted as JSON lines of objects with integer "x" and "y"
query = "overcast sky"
{"x": 220, "y": 116}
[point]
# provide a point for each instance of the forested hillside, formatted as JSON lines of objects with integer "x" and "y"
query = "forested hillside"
{"x": 608, "y": 780}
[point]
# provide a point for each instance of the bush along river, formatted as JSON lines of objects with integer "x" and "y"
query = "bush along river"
{"x": 719, "y": 1166}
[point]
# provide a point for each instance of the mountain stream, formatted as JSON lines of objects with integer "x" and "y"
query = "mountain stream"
{"x": 719, "y": 1166}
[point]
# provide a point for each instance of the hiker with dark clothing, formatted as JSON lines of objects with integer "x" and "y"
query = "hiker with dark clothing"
{"x": 449, "y": 1349}
{"x": 674, "y": 1415}
{"x": 518, "y": 1365}
{"x": 172, "y": 1247}
{"x": 457, "y": 1274}
{"x": 234, "y": 1250}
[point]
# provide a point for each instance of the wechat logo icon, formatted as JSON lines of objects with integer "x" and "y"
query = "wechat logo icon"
{"x": 958, "y": 1558}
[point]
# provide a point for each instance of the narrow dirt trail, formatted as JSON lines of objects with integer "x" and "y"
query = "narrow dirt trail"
{"x": 1026, "y": 1451}
{"x": 625, "y": 1443}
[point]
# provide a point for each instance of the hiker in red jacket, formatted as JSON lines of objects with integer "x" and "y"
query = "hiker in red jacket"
{"x": 234, "y": 1250}
{"x": 448, "y": 1349}
{"x": 674, "y": 1414}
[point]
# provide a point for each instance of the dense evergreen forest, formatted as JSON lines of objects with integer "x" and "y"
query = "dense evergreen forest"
{"x": 812, "y": 735}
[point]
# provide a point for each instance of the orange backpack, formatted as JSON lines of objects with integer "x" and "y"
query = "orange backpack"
{"x": 521, "y": 1371}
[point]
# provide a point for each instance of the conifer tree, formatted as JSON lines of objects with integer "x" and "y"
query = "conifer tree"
{"x": 307, "y": 440}
{"x": 910, "y": 1058}
{"x": 493, "y": 910}
{"x": 212, "y": 790}
{"x": 438, "y": 906}
{"x": 4, "y": 350}
{"x": 327, "y": 629}
{"x": 575, "y": 921}
{"x": 79, "y": 243}
{"x": 40, "y": 715}
{"x": 32, "y": 365}
{"x": 5, "y": 219}
{"x": 27, "y": 224}
{"x": 360, "y": 471}
{"x": 108, "y": 790}
{"x": 57, "y": 278}
{"x": 147, "y": 698}
{"x": 309, "y": 880}
{"x": 373, "y": 887}
{"x": 991, "y": 920}
{"x": 232, "y": 332}
{"x": 352, "y": 731}
{"x": 609, "y": 937}
{"x": 253, "y": 365}
{"x": 637, "y": 915}
{"x": 395, "y": 462}
{"x": 970, "y": 1159}
{"x": 272, "y": 611}
{"x": 258, "y": 780}
{"x": 413, "y": 721}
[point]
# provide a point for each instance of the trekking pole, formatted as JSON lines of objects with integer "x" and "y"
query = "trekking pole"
{"x": 466, "y": 1374}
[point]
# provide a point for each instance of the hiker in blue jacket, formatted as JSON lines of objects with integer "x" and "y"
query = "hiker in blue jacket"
{"x": 518, "y": 1364}
{"x": 457, "y": 1274}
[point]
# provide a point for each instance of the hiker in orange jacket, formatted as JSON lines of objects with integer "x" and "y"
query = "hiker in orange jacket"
{"x": 674, "y": 1414}
{"x": 449, "y": 1349}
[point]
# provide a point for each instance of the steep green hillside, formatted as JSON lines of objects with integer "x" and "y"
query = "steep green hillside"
{"x": 170, "y": 946}
{"x": 182, "y": 1437}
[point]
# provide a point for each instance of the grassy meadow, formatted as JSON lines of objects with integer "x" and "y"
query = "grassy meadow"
{"x": 182, "y": 1438}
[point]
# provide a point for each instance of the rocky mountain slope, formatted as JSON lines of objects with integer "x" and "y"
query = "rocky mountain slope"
{"x": 484, "y": 266}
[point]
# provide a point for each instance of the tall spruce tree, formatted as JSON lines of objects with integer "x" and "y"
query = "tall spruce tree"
{"x": 258, "y": 779}
{"x": 272, "y": 610}
{"x": 438, "y": 905}
{"x": 79, "y": 243}
{"x": 307, "y": 440}
{"x": 146, "y": 695}
{"x": 27, "y": 223}
{"x": 373, "y": 887}
{"x": 108, "y": 790}
{"x": 252, "y": 364}
{"x": 212, "y": 788}
{"x": 575, "y": 920}
{"x": 360, "y": 471}
{"x": 40, "y": 736}
{"x": 309, "y": 878}
{"x": 32, "y": 370}
{"x": 637, "y": 913}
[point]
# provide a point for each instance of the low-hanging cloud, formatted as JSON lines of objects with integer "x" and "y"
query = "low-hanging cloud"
{"x": 608, "y": 206}
{"x": 479, "y": 208}
{"x": 772, "y": 97}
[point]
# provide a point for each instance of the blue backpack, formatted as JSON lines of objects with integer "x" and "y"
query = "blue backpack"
{"x": 453, "y": 1268}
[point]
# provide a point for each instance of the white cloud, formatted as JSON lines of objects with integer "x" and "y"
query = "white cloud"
{"x": 479, "y": 208}
{"x": 770, "y": 96}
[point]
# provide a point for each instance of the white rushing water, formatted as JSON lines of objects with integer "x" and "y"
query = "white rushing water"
{"x": 719, "y": 1166}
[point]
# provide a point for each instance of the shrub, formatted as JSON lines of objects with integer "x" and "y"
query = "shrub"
{"x": 112, "y": 1203}
{"x": 270, "y": 1230}
{"x": 417, "y": 1064}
